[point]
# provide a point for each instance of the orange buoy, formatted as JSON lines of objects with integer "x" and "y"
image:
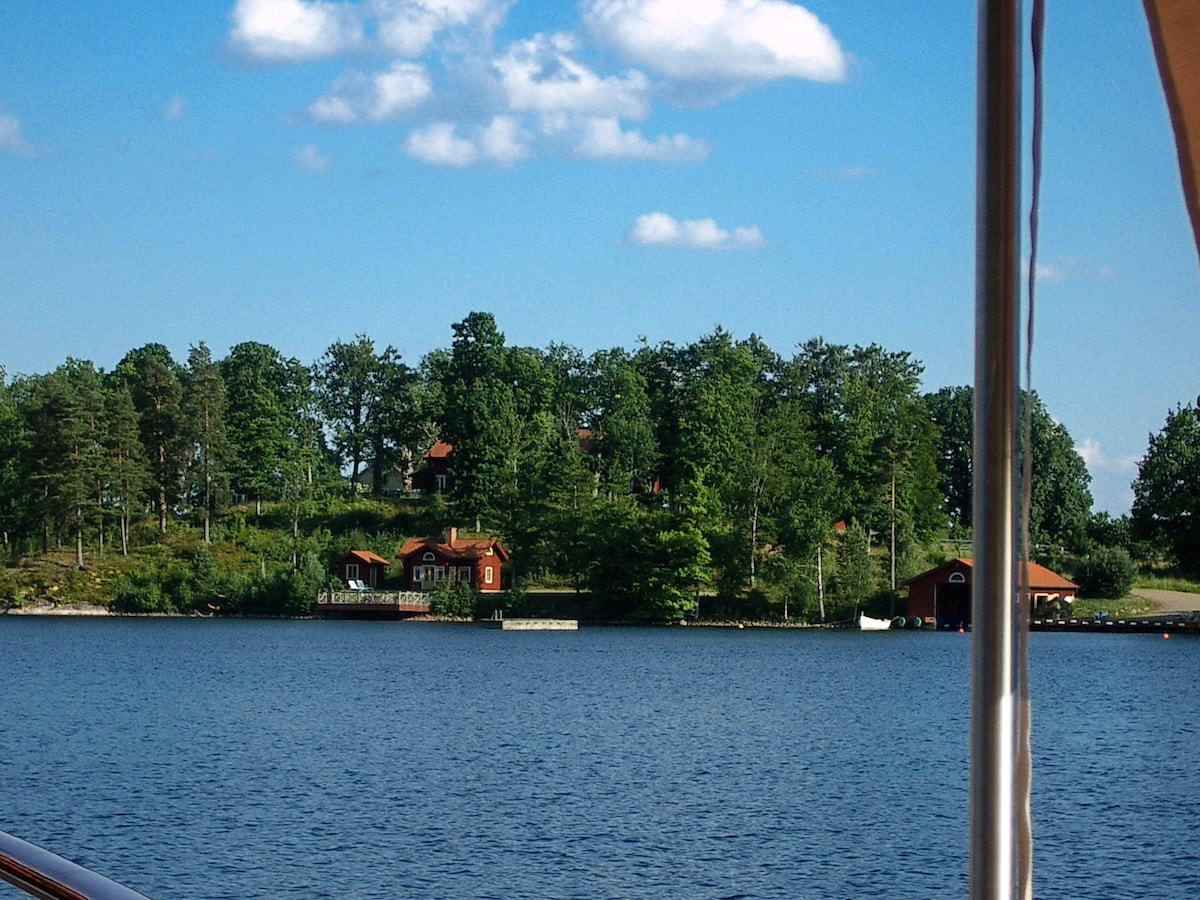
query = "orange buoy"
{"x": 1166, "y": 637}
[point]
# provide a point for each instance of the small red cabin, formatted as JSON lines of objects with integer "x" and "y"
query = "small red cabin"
{"x": 431, "y": 562}
{"x": 944, "y": 594}
{"x": 360, "y": 569}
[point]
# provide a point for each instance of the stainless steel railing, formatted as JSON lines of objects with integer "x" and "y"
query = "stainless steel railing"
{"x": 40, "y": 873}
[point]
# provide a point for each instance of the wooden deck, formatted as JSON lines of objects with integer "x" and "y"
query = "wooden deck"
{"x": 371, "y": 604}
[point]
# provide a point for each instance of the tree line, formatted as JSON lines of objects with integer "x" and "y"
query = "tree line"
{"x": 649, "y": 476}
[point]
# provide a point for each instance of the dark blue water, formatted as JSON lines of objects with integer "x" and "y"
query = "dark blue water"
{"x": 210, "y": 759}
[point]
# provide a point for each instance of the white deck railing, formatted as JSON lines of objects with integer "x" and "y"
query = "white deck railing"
{"x": 400, "y": 599}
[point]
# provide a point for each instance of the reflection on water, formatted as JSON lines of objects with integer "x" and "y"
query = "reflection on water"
{"x": 198, "y": 759}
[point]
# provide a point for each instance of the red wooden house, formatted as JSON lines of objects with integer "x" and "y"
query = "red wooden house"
{"x": 361, "y": 567}
{"x": 430, "y": 562}
{"x": 943, "y": 594}
{"x": 432, "y": 474}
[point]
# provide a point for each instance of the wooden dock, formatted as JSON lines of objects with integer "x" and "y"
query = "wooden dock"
{"x": 371, "y": 604}
{"x": 1165, "y": 625}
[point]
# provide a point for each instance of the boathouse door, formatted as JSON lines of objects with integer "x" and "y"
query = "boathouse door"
{"x": 952, "y": 603}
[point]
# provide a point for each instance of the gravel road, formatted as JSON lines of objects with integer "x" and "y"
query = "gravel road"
{"x": 1170, "y": 601}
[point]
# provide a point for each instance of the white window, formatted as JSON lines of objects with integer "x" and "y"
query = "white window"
{"x": 428, "y": 557}
{"x": 487, "y": 574}
{"x": 957, "y": 578}
{"x": 439, "y": 483}
{"x": 464, "y": 574}
{"x": 439, "y": 573}
{"x": 352, "y": 571}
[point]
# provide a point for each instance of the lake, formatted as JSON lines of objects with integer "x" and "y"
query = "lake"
{"x": 209, "y": 759}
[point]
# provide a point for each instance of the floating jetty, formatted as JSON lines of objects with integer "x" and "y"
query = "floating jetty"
{"x": 531, "y": 624}
{"x": 1166, "y": 625}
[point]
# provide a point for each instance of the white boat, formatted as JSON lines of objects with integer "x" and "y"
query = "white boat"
{"x": 868, "y": 623}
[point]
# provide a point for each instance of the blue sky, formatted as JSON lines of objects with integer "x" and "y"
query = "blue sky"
{"x": 297, "y": 172}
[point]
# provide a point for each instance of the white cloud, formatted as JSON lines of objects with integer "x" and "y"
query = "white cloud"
{"x": 408, "y": 27}
{"x": 540, "y": 75}
{"x": 439, "y": 145}
{"x": 289, "y": 31}
{"x": 718, "y": 47}
{"x": 593, "y": 137}
{"x": 293, "y": 31}
{"x": 174, "y": 109}
{"x": 501, "y": 142}
{"x": 1112, "y": 477}
{"x": 661, "y": 230}
{"x": 374, "y": 98}
{"x": 310, "y": 159}
{"x": 706, "y": 49}
{"x": 846, "y": 173}
{"x": 12, "y": 140}
{"x": 1097, "y": 461}
{"x": 1070, "y": 268}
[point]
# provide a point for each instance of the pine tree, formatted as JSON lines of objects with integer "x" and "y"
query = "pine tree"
{"x": 204, "y": 411}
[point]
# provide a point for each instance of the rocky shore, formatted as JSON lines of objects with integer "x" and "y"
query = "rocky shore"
{"x": 46, "y": 608}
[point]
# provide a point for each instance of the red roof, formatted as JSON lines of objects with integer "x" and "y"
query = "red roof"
{"x": 363, "y": 556}
{"x": 440, "y": 450}
{"x": 456, "y": 548}
{"x": 1038, "y": 577}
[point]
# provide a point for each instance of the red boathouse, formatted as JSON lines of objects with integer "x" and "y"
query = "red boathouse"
{"x": 943, "y": 594}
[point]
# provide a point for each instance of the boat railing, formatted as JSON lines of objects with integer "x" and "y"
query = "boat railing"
{"x": 40, "y": 873}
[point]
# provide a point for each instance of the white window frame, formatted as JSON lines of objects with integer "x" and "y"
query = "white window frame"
{"x": 487, "y": 574}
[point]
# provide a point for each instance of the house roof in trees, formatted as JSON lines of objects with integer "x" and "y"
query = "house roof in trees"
{"x": 450, "y": 546}
{"x": 1039, "y": 578}
{"x": 439, "y": 450}
{"x": 366, "y": 557}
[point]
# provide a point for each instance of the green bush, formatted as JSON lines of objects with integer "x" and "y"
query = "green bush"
{"x": 1106, "y": 572}
{"x": 138, "y": 596}
{"x": 459, "y": 601}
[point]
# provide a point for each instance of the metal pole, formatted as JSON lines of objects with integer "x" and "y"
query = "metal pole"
{"x": 993, "y": 708}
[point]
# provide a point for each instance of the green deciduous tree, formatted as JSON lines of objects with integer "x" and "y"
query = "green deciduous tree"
{"x": 267, "y": 399}
{"x": 368, "y": 403}
{"x": 1166, "y": 493}
{"x": 498, "y": 413}
{"x": 347, "y": 386}
{"x": 1060, "y": 500}
{"x": 871, "y": 424}
{"x": 621, "y": 424}
{"x": 952, "y": 410}
{"x": 644, "y": 564}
